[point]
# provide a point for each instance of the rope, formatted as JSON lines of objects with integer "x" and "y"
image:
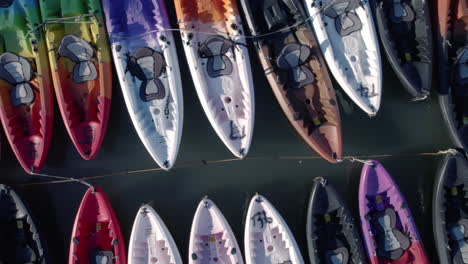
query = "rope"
{"x": 218, "y": 32}
{"x": 60, "y": 20}
{"x": 67, "y": 179}
{"x": 424, "y": 97}
{"x": 354, "y": 159}
{"x": 359, "y": 158}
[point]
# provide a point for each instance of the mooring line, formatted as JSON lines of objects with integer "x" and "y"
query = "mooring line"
{"x": 204, "y": 162}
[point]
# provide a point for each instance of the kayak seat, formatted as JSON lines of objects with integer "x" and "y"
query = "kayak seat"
{"x": 458, "y": 233}
{"x": 214, "y": 49}
{"x": 293, "y": 58}
{"x": 17, "y": 71}
{"x": 337, "y": 256}
{"x": 79, "y": 51}
{"x": 461, "y": 69}
{"x": 274, "y": 14}
{"x": 392, "y": 243}
{"x": 346, "y": 20}
{"x": 97, "y": 256}
{"x": 148, "y": 65}
{"x": 401, "y": 11}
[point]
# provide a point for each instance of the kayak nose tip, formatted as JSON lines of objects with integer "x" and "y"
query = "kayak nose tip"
{"x": 242, "y": 153}
{"x": 34, "y": 169}
{"x": 166, "y": 165}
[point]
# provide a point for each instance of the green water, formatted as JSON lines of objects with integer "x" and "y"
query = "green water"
{"x": 276, "y": 166}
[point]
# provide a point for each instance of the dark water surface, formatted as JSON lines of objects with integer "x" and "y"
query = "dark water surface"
{"x": 279, "y": 166}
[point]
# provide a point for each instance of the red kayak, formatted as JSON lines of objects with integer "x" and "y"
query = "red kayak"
{"x": 26, "y": 104}
{"x": 96, "y": 236}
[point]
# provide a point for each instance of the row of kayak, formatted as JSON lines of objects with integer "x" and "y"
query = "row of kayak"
{"x": 387, "y": 232}
{"x": 67, "y": 46}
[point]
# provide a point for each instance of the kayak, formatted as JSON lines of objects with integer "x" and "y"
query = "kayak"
{"x": 211, "y": 237}
{"x": 449, "y": 212}
{"x": 96, "y": 235}
{"x": 81, "y": 69}
{"x": 145, "y": 57}
{"x": 26, "y": 89}
{"x": 150, "y": 241}
{"x": 332, "y": 234}
{"x": 346, "y": 35}
{"x": 20, "y": 239}
{"x": 267, "y": 238}
{"x": 405, "y": 30}
{"x": 218, "y": 59}
{"x": 296, "y": 71}
{"x": 452, "y": 45}
{"x": 389, "y": 231}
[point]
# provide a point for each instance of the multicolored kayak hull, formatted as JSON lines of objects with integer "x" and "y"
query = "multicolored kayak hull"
{"x": 81, "y": 69}
{"x": 332, "y": 235}
{"x": 146, "y": 61}
{"x": 26, "y": 88}
{"x": 96, "y": 235}
{"x": 296, "y": 71}
{"x": 217, "y": 55}
{"x": 405, "y": 30}
{"x": 452, "y": 45}
{"x": 449, "y": 209}
{"x": 389, "y": 231}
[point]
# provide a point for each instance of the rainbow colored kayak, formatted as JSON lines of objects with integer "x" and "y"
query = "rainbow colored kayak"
{"x": 80, "y": 58}
{"x": 26, "y": 99}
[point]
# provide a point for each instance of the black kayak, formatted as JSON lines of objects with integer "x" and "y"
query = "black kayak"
{"x": 332, "y": 235}
{"x": 405, "y": 31}
{"x": 19, "y": 239}
{"x": 452, "y": 47}
{"x": 450, "y": 210}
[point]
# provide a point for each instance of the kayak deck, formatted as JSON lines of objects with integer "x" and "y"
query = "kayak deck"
{"x": 82, "y": 70}
{"x": 26, "y": 95}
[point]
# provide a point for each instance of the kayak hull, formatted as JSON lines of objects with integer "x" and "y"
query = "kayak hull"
{"x": 448, "y": 204}
{"x": 331, "y": 229}
{"x": 150, "y": 240}
{"x": 296, "y": 71}
{"x": 389, "y": 231}
{"x": 21, "y": 241}
{"x": 352, "y": 54}
{"x": 211, "y": 237}
{"x": 140, "y": 43}
{"x": 96, "y": 234}
{"x": 26, "y": 107}
{"x": 81, "y": 70}
{"x": 407, "y": 40}
{"x": 218, "y": 59}
{"x": 267, "y": 238}
{"x": 452, "y": 18}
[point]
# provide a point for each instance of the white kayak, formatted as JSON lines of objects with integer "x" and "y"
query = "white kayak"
{"x": 347, "y": 37}
{"x": 211, "y": 238}
{"x": 267, "y": 237}
{"x": 145, "y": 58}
{"x": 219, "y": 63}
{"x": 150, "y": 241}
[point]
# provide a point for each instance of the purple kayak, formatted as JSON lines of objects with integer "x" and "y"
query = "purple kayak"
{"x": 390, "y": 234}
{"x": 146, "y": 62}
